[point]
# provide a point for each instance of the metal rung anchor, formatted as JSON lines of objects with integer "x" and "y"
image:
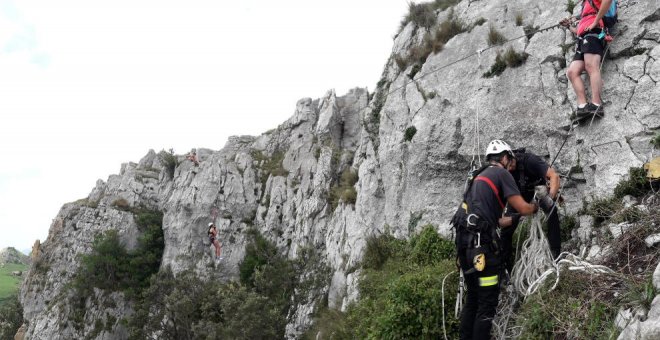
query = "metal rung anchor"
{"x": 606, "y": 143}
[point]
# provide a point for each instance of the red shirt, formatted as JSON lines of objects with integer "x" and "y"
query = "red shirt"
{"x": 588, "y": 16}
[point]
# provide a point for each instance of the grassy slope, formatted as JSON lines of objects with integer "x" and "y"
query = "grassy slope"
{"x": 9, "y": 284}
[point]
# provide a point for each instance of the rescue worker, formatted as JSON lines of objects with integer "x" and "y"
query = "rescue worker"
{"x": 477, "y": 239}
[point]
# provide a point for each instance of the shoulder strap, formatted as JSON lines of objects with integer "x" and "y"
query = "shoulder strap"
{"x": 593, "y": 5}
{"x": 492, "y": 187}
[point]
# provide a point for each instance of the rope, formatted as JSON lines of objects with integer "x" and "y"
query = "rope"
{"x": 444, "y": 329}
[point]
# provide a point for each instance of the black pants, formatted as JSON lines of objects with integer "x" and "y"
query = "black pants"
{"x": 554, "y": 236}
{"x": 482, "y": 297}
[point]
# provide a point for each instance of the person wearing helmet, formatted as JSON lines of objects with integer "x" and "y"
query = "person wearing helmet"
{"x": 529, "y": 171}
{"x": 213, "y": 234}
{"x": 477, "y": 240}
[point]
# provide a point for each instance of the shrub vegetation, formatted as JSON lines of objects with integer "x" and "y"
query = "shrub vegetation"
{"x": 510, "y": 58}
{"x": 495, "y": 37}
{"x": 400, "y": 292}
{"x": 344, "y": 191}
{"x": 11, "y": 317}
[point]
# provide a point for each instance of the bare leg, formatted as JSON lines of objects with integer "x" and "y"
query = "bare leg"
{"x": 574, "y": 71}
{"x": 216, "y": 244}
{"x": 592, "y": 65}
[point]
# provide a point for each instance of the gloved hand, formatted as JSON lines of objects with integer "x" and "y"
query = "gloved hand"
{"x": 544, "y": 199}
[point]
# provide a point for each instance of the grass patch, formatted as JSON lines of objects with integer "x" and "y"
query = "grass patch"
{"x": 530, "y": 31}
{"x": 480, "y": 21}
{"x": 10, "y": 284}
{"x": 519, "y": 19}
{"x": 423, "y": 14}
{"x": 570, "y": 6}
{"x": 655, "y": 141}
{"x": 270, "y": 166}
{"x": 121, "y": 204}
{"x": 636, "y": 185}
{"x": 432, "y": 43}
{"x": 566, "y": 226}
{"x": 495, "y": 37}
{"x": 510, "y": 58}
{"x": 409, "y": 134}
{"x": 577, "y": 309}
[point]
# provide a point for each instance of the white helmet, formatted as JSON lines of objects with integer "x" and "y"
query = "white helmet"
{"x": 497, "y": 147}
{"x": 211, "y": 224}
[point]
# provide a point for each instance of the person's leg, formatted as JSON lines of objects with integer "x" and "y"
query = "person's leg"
{"x": 472, "y": 303}
{"x": 489, "y": 292}
{"x": 554, "y": 233}
{"x": 574, "y": 73}
{"x": 216, "y": 244}
{"x": 592, "y": 65}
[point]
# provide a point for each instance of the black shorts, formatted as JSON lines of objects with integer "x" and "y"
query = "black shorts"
{"x": 589, "y": 43}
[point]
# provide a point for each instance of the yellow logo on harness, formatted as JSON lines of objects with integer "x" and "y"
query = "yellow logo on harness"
{"x": 479, "y": 262}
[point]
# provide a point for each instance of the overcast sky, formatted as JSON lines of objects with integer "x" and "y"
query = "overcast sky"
{"x": 88, "y": 85}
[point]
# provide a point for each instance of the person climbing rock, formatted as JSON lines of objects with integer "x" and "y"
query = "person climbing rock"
{"x": 477, "y": 240}
{"x": 213, "y": 237}
{"x": 528, "y": 171}
{"x": 192, "y": 156}
{"x": 589, "y": 50}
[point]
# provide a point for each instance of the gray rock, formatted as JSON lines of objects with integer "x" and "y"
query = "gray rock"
{"x": 629, "y": 201}
{"x": 656, "y": 277}
{"x": 652, "y": 240}
{"x": 617, "y": 229}
{"x": 584, "y": 231}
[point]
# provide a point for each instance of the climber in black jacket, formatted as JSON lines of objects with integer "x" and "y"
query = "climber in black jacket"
{"x": 529, "y": 170}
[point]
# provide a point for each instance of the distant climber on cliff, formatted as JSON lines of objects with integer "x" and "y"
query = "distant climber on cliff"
{"x": 192, "y": 156}
{"x": 589, "y": 51}
{"x": 213, "y": 237}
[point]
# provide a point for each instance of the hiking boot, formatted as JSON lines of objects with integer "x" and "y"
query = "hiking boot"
{"x": 595, "y": 109}
{"x": 580, "y": 113}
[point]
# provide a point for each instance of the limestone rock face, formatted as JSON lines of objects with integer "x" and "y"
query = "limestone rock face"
{"x": 11, "y": 255}
{"x": 279, "y": 182}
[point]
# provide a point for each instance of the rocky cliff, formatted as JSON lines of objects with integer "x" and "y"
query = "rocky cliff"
{"x": 11, "y": 255}
{"x": 344, "y": 168}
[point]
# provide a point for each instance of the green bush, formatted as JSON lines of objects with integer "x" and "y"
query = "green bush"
{"x": 655, "y": 141}
{"x": 566, "y": 226}
{"x": 11, "y": 317}
{"x": 636, "y": 185}
{"x": 409, "y": 134}
{"x": 429, "y": 248}
{"x": 413, "y": 305}
{"x": 495, "y": 37}
{"x": 169, "y": 161}
{"x": 110, "y": 267}
{"x": 379, "y": 249}
{"x": 400, "y": 292}
{"x": 344, "y": 191}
